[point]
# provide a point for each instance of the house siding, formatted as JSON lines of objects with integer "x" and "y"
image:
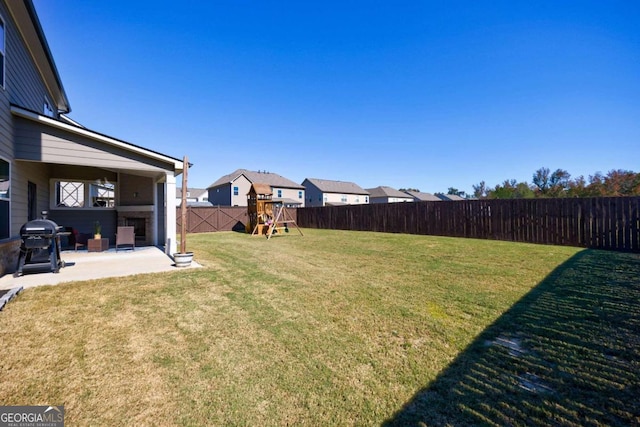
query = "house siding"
{"x": 352, "y": 199}
{"x": 289, "y": 193}
{"x": 23, "y": 173}
{"x": 220, "y": 195}
{"x": 313, "y": 195}
{"x": 36, "y": 142}
{"x": 316, "y": 197}
{"x": 23, "y": 86}
{"x": 23, "y": 83}
{"x": 244, "y": 185}
{"x": 390, "y": 199}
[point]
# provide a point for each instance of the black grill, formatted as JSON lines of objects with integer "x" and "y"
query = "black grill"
{"x": 40, "y": 249}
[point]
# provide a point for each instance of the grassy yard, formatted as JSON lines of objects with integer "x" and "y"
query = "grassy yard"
{"x": 338, "y": 328}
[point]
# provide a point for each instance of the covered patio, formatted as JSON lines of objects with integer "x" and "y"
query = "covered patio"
{"x": 84, "y": 178}
{"x": 83, "y": 265}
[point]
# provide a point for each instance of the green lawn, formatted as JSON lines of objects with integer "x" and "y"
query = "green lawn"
{"x": 338, "y": 328}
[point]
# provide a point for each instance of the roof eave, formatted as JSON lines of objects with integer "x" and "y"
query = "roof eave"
{"x": 178, "y": 165}
{"x": 26, "y": 18}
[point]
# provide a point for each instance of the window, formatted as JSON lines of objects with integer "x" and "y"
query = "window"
{"x": 299, "y": 194}
{"x": 2, "y": 50}
{"x": 279, "y": 193}
{"x": 5, "y": 193}
{"x": 366, "y": 199}
{"x": 343, "y": 199}
{"x": 84, "y": 194}
{"x": 235, "y": 191}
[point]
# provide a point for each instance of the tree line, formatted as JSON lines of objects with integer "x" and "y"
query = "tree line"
{"x": 558, "y": 183}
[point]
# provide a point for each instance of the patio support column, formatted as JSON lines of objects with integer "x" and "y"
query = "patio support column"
{"x": 170, "y": 217}
{"x": 154, "y": 218}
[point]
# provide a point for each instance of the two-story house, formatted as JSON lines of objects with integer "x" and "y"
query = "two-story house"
{"x": 50, "y": 162}
{"x": 325, "y": 192}
{"x": 232, "y": 189}
{"x": 385, "y": 194}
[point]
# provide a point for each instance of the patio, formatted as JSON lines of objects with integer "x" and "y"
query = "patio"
{"x": 83, "y": 265}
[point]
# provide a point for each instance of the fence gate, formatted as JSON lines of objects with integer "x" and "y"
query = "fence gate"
{"x": 215, "y": 218}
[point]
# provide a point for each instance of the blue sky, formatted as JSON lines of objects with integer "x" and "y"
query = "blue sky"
{"x": 420, "y": 94}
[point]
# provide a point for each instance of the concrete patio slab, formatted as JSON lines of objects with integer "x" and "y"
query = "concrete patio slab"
{"x": 83, "y": 265}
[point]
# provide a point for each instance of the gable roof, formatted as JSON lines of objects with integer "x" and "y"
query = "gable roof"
{"x": 383, "y": 191}
{"x": 329, "y": 186}
{"x": 424, "y": 197}
{"x": 272, "y": 179}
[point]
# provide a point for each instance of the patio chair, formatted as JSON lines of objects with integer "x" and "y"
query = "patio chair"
{"x": 80, "y": 239}
{"x": 125, "y": 236}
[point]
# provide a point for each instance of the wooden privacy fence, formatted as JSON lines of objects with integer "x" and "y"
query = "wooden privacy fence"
{"x": 214, "y": 218}
{"x": 605, "y": 222}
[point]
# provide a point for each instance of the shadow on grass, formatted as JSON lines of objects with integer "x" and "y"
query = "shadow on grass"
{"x": 568, "y": 353}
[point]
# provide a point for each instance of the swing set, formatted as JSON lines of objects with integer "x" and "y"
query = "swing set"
{"x": 266, "y": 216}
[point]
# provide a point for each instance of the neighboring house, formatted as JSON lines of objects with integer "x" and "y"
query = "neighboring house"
{"x": 324, "y": 192}
{"x": 194, "y": 195}
{"x": 449, "y": 197}
{"x": 419, "y": 196}
{"x": 50, "y": 162}
{"x": 384, "y": 194}
{"x": 232, "y": 189}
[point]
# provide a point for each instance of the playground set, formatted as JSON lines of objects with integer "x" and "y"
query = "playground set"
{"x": 266, "y": 216}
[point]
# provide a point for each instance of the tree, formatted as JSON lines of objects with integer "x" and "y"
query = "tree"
{"x": 558, "y": 183}
{"x": 541, "y": 180}
{"x": 455, "y": 192}
{"x": 622, "y": 183}
{"x": 511, "y": 189}
{"x": 480, "y": 190}
{"x": 578, "y": 187}
{"x": 550, "y": 184}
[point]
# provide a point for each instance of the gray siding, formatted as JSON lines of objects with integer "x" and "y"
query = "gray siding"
{"x": 36, "y": 142}
{"x": 22, "y": 173}
{"x": 23, "y": 83}
{"x": 312, "y": 194}
{"x": 23, "y": 86}
{"x": 220, "y": 195}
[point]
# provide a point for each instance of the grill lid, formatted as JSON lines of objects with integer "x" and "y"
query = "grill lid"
{"x": 40, "y": 227}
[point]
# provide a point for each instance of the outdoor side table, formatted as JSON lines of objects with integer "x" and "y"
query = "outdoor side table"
{"x": 97, "y": 245}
